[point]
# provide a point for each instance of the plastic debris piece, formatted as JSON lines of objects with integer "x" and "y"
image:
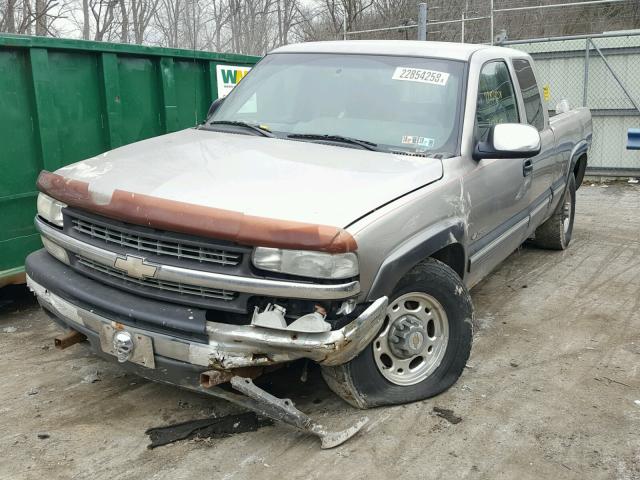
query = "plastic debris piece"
{"x": 206, "y": 428}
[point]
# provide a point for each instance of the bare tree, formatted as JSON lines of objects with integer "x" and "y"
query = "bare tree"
{"x": 167, "y": 20}
{"x": 124, "y": 21}
{"x": 103, "y": 12}
{"x": 215, "y": 22}
{"x": 86, "y": 25}
{"x": 142, "y": 12}
{"x": 22, "y": 17}
{"x": 289, "y": 16}
{"x": 256, "y": 26}
{"x": 8, "y": 21}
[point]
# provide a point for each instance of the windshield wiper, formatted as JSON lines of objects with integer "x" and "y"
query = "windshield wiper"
{"x": 336, "y": 138}
{"x": 427, "y": 154}
{"x": 237, "y": 123}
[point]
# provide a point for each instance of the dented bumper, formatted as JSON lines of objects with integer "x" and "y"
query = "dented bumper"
{"x": 229, "y": 346}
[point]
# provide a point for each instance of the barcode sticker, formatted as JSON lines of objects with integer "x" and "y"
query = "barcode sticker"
{"x": 420, "y": 75}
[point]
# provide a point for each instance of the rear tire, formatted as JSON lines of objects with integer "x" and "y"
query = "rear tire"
{"x": 420, "y": 351}
{"x": 555, "y": 233}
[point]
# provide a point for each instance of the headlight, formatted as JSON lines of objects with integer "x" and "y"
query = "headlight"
{"x": 306, "y": 263}
{"x": 50, "y": 209}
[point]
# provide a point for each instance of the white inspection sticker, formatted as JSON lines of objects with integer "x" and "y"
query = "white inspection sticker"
{"x": 420, "y": 75}
{"x": 419, "y": 141}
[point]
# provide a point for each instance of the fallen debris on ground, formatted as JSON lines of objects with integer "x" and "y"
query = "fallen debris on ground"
{"x": 220, "y": 427}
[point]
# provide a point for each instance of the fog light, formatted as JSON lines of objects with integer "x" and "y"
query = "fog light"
{"x": 55, "y": 250}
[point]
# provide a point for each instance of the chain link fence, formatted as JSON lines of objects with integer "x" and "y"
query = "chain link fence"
{"x": 601, "y": 72}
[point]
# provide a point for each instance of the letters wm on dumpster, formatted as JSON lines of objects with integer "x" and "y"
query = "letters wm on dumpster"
{"x": 228, "y": 76}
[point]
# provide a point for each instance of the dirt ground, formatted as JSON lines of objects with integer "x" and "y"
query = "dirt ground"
{"x": 552, "y": 388}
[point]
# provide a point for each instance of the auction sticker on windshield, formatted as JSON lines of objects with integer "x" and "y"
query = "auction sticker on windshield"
{"x": 420, "y": 75}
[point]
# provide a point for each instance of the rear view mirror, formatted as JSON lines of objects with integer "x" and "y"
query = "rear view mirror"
{"x": 214, "y": 106}
{"x": 509, "y": 140}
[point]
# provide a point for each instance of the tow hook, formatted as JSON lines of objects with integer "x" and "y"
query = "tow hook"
{"x": 71, "y": 338}
{"x": 282, "y": 410}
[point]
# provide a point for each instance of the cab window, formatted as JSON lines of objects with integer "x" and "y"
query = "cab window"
{"x": 530, "y": 93}
{"x": 496, "y": 99}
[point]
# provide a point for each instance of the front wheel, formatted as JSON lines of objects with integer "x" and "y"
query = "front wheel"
{"x": 422, "y": 347}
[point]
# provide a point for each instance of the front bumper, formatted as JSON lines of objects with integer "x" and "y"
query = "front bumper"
{"x": 229, "y": 346}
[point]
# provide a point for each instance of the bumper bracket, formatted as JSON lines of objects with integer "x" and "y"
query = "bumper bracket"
{"x": 283, "y": 410}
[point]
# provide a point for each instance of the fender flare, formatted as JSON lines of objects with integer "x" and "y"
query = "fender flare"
{"x": 578, "y": 151}
{"x": 413, "y": 251}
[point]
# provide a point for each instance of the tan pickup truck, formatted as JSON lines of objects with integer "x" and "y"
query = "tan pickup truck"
{"x": 336, "y": 206}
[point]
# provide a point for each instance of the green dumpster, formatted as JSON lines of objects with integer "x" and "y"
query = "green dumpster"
{"x": 66, "y": 100}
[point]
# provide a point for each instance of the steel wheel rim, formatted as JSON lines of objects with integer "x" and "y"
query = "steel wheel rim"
{"x": 566, "y": 213}
{"x": 415, "y": 308}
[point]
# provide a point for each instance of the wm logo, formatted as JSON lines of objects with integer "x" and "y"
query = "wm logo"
{"x": 232, "y": 76}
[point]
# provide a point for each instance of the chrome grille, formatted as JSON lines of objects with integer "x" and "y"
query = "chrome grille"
{"x": 113, "y": 235}
{"x": 203, "y": 292}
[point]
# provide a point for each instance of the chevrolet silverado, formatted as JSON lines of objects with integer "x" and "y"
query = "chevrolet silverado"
{"x": 336, "y": 206}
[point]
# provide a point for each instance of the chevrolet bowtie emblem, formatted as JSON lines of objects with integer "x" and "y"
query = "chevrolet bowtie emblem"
{"x": 136, "y": 267}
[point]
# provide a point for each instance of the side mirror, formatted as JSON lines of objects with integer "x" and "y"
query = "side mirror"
{"x": 509, "y": 140}
{"x": 214, "y": 106}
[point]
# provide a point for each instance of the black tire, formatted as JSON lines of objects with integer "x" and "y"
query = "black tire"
{"x": 360, "y": 382}
{"x": 552, "y": 234}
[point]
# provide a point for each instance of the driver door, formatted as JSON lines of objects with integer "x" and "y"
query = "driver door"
{"x": 497, "y": 189}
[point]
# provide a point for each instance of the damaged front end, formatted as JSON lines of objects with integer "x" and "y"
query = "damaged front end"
{"x": 233, "y": 354}
{"x": 188, "y": 298}
{"x": 232, "y": 346}
{"x": 199, "y": 348}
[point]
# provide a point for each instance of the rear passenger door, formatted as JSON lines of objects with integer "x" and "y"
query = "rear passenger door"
{"x": 543, "y": 165}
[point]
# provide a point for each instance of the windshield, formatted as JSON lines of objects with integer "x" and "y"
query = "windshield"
{"x": 404, "y": 104}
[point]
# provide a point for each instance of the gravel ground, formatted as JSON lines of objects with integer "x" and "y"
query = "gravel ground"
{"x": 551, "y": 390}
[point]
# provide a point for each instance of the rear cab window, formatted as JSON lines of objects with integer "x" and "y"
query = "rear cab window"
{"x": 496, "y": 98}
{"x": 530, "y": 93}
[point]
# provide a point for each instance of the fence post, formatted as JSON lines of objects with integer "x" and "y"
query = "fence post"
{"x": 422, "y": 21}
{"x": 586, "y": 72}
{"x": 344, "y": 25}
{"x": 462, "y": 28}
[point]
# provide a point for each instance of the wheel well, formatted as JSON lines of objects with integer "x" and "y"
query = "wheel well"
{"x": 453, "y": 256}
{"x": 579, "y": 169}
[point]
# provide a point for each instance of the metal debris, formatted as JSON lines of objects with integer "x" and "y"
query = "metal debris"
{"x": 283, "y": 410}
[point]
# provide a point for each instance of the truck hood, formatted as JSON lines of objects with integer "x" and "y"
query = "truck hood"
{"x": 265, "y": 177}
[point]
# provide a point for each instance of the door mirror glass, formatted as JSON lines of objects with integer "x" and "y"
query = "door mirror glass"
{"x": 509, "y": 140}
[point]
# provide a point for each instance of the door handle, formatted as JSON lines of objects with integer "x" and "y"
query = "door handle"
{"x": 527, "y": 168}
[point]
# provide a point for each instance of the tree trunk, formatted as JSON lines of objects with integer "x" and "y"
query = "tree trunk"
{"x": 41, "y": 18}
{"x": 124, "y": 33}
{"x": 10, "y": 17}
{"x": 86, "y": 30}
